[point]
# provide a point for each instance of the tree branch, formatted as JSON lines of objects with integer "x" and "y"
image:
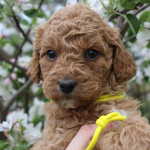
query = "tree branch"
{"x": 126, "y": 26}
{"x": 24, "y": 41}
{"x": 19, "y": 92}
{"x": 13, "y": 64}
{"x": 141, "y": 9}
{"x": 16, "y": 58}
{"x": 18, "y": 26}
{"x": 40, "y": 4}
{"x": 124, "y": 29}
{"x": 120, "y": 22}
{"x": 5, "y": 54}
{"x": 130, "y": 38}
{"x": 124, "y": 11}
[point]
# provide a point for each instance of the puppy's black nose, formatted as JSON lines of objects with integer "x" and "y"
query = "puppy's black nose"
{"x": 67, "y": 86}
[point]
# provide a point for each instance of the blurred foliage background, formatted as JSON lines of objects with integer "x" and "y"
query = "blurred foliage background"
{"x": 22, "y": 101}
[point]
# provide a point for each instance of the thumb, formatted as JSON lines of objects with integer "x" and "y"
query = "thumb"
{"x": 82, "y": 138}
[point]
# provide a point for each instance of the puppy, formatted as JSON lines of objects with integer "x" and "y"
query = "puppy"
{"x": 79, "y": 58}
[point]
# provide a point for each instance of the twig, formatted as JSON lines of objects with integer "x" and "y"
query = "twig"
{"x": 19, "y": 51}
{"x": 124, "y": 12}
{"x": 18, "y": 26}
{"x": 126, "y": 26}
{"x": 124, "y": 29}
{"x": 130, "y": 38}
{"x": 120, "y": 22}
{"x": 116, "y": 15}
{"x": 141, "y": 9}
{"x": 19, "y": 92}
{"x": 40, "y": 4}
{"x": 1, "y": 105}
{"x": 5, "y": 54}
{"x": 13, "y": 64}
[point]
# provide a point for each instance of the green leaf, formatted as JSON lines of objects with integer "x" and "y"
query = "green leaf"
{"x": 144, "y": 17}
{"x": 129, "y": 4}
{"x": 148, "y": 45}
{"x": 1, "y": 18}
{"x": 142, "y": 28}
{"x": 21, "y": 147}
{"x": 133, "y": 22}
{"x": 145, "y": 1}
{"x": 25, "y": 22}
{"x": 31, "y": 13}
{"x": 16, "y": 39}
{"x": 145, "y": 64}
{"x": 4, "y": 41}
{"x": 122, "y": 3}
{"x": 34, "y": 21}
{"x": 3, "y": 145}
{"x": 146, "y": 79}
{"x": 41, "y": 15}
{"x": 129, "y": 34}
{"x": 12, "y": 128}
{"x": 22, "y": 128}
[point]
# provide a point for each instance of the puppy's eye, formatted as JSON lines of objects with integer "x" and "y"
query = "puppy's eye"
{"x": 92, "y": 54}
{"x": 51, "y": 55}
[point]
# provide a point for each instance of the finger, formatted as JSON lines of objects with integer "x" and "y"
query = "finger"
{"x": 109, "y": 125}
{"x": 82, "y": 138}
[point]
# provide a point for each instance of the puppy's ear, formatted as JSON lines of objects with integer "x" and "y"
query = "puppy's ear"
{"x": 123, "y": 63}
{"x": 34, "y": 71}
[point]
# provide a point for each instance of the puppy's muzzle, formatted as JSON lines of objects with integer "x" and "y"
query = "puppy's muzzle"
{"x": 67, "y": 86}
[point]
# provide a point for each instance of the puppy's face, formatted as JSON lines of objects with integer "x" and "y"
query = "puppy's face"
{"x": 75, "y": 68}
{"x": 75, "y": 53}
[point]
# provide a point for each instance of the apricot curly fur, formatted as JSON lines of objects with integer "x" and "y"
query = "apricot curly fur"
{"x": 71, "y": 32}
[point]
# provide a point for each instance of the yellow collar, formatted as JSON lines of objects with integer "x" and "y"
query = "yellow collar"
{"x": 106, "y": 98}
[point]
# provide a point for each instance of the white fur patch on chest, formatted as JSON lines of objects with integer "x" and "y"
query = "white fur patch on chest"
{"x": 121, "y": 112}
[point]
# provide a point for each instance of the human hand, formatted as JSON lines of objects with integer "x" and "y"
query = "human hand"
{"x": 83, "y": 137}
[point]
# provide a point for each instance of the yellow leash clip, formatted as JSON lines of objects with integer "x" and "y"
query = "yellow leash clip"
{"x": 101, "y": 123}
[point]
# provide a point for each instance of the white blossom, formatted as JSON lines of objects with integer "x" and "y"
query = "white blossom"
{"x": 147, "y": 71}
{"x": 143, "y": 35}
{"x": 11, "y": 119}
{"x": 37, "y": 110}
{"x": 32, "y": 134}
{"x": 98, "y": 7}
{"x": 3, "y": 72}
{"x": 24, "y": 61}
{"x": 6, "y": 89}
{"x": 46, "y": 10}
{"x": 23, "y": 1}
{"x": 34, "y": 88}
{"x": 27, "y": 47}
{"x": 2, "y": 2}
{"x": 7, "y": 31}
{"x": 21, "y": 80}
{"x": 59, "y": 6}
{"x": 5, "y": 126}
{"x": 17, "y": 116}
{"x": 147, "y": 24}
{"x": 9, "y": 48}
{"x": 71, "y": 2}
{"x": 25, "y": 6}
{"x": 13, "y": 76}
{"x": 16, "y": 9}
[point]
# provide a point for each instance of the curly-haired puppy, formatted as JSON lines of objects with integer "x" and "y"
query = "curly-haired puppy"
{"x": 79, "y": 58}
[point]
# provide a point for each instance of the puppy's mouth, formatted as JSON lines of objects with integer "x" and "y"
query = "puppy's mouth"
{"x": 71, "y": 92}
{"x": 67, "y": 103}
